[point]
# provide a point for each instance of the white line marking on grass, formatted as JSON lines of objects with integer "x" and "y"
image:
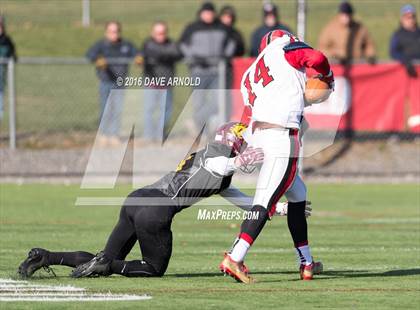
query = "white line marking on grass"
{"x": 78, "y": 297}
{"x": 11, "y": 281}
{"x": 40, "y": 288}
{"x": 15, "y": 290}
{"x": 387, "y": 220}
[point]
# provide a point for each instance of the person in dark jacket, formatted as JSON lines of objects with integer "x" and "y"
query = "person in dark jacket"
{"x": 405, "y": 42}
{"x": 7, "y": 50}
{"x": 111, "y": 56}
{"x": 271, "y": 22}
{"x": 204, "y": 43}
{"x": 160, "y": 55}
{"x": 227, "y": 17}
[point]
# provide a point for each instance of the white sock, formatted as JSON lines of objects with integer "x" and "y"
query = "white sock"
{"x": 304, "y": 255}
{"x": 239, "y": 250}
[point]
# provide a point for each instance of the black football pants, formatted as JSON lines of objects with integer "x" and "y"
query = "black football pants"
{"x": 148, "y": 224}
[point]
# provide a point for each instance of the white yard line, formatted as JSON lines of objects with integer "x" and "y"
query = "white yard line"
{"x": 15, "y": 290}
{"x": 80, "y": 297}
{"x": 11, "y": 281}
{"x": 387, "y": 220}
{"x": 30, "y": 288}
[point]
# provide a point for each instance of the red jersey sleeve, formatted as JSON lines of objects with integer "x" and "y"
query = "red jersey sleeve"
{"x": 308, "y": 58}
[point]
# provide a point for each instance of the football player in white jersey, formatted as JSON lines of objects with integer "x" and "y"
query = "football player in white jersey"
{"x": 273, "y": 88}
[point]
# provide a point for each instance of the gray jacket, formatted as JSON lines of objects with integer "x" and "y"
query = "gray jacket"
{"x": 205, "y": 45}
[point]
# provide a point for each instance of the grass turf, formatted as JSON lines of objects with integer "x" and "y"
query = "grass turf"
{"x": 367, "y": 236}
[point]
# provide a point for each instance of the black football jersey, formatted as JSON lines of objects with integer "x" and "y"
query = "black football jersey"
{"x": 191, "y": 182}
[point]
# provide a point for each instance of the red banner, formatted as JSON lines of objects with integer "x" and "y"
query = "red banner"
{"x": 367, "y": 97}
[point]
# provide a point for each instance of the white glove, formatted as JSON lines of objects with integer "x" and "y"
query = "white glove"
{"x": 281, "y": 209}
{"x": 249, "y": 159}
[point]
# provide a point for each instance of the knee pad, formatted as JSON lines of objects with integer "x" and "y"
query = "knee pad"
{"x": 140, "y": 268}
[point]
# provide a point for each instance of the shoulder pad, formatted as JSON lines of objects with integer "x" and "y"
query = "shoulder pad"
{"x": 295, "y": 46}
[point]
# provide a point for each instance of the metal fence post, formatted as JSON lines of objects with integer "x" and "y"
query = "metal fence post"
{"x": 222, "y": 91}
{"x": 85, "y": 13}
{"x": 301, "y": 31}
{"x": 12, "y": 102}
{"x": 301, "y": 19}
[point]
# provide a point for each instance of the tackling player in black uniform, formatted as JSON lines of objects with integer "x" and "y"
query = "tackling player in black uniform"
{"x": 147, "y": 213}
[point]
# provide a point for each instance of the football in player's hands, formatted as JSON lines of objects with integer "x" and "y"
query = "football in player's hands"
{"x": 316, "y": 90}
{"x": 250, "y": 157}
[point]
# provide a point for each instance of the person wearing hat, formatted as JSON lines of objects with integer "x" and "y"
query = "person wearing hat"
{"x": 405, "y": 42}
{"x": 345, "y": 40}
{"x": 7, "y": 50}
{"x": 227, "y": 17}
{"x": 204, "y": 44}
{"x": 270, "y": 22}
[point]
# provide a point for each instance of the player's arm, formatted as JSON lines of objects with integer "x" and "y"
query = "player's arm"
{"x": 307, "y": 57}
{"x": 225, "y": 166}
{"x": 237, "y": 198}
{"x": 243, "y": 201}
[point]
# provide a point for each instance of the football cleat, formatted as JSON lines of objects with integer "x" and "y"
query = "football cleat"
{"x": 244, "y": 267}
{"x": 236, "y": 270}
{"x": 307, "y": 271}
{"x": 37, "y": 259}
{"x": 99, "y": 265}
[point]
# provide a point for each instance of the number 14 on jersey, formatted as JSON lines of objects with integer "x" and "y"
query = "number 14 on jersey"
{"x": 262, "y": 73}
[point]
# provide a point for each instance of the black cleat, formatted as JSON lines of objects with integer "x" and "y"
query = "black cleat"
{"x": 99, "y": 265}
{"x": 37, "y": 259}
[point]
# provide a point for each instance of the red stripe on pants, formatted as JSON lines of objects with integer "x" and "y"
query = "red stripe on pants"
{"x": 290, "y": 178}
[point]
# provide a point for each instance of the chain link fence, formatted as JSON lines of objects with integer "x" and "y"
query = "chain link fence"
{"x": 57, "y": 99}
{"x": 57, "y": 107}
{"x": 61, "y": 96}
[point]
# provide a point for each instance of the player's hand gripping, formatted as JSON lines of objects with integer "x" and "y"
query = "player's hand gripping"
{"x": 249, "y": 158}
{"x": 329, "y": 79}
{"x": 281, "y": 209}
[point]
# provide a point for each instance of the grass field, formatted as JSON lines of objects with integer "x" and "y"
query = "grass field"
{"x": 368, "y": 237}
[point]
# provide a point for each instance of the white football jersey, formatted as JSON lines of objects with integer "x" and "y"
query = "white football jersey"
{"x": 273, "y": 88}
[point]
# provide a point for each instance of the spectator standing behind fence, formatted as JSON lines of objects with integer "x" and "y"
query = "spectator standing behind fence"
{"x": 111, "y": 56}
{"x": 227, "y": 17}
{"x": 345, "y": 40}
{"x": 7, "y": 50}
{"x": 160, "y": 55}
{"x": 270, "y": 22}
{"x": 405, "y": 42}
{"x": 204, "y": 43}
